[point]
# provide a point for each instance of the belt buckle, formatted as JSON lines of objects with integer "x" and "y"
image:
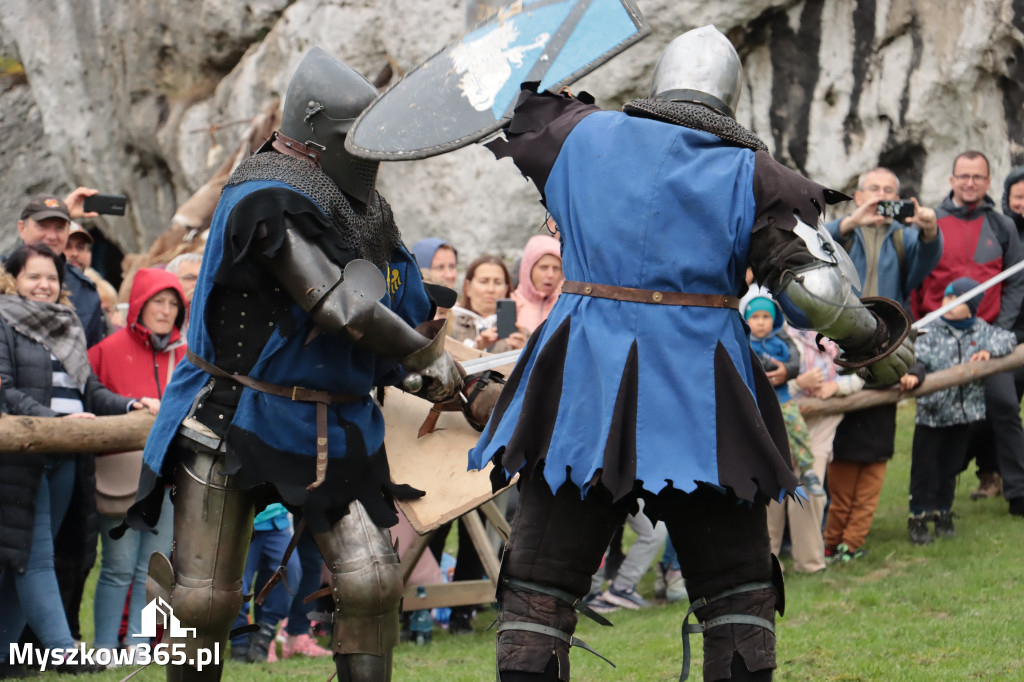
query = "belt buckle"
{"x": 296, "y": 389}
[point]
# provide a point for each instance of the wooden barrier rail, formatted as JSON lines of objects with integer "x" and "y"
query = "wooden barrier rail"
{"x": 128, "y": 432}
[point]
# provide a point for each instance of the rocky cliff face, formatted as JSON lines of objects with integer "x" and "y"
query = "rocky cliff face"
{"x": 147, "y": 99}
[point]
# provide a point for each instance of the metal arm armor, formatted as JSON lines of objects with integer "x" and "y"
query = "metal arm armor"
{"x": 348, "y": 302}
{"x": 814, "y": 289}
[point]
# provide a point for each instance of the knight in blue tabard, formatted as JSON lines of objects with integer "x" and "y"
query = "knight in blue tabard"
{"x": 307, "y": 300}
{"x": 641, "y": 383}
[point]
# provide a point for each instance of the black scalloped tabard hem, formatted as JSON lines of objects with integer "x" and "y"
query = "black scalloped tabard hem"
{"x": 754, "y": 461}
{"x": 753, "y": 445}
{"x": 356, "y": 476}
{"x": 277, "y": 476}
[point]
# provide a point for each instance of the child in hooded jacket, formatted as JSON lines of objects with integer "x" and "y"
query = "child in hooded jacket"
{"x": 773, "y": 346}
{"x": 942, "y": 423}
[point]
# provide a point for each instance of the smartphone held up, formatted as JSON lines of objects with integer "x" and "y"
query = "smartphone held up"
{"x": 105, "y": 204}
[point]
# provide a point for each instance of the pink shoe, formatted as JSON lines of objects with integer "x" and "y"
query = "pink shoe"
{"x": 302, "y": 645}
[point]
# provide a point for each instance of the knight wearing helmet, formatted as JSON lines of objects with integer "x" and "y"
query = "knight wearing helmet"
{"x": 307, "y": 301}
{"x": 641, "y": 383}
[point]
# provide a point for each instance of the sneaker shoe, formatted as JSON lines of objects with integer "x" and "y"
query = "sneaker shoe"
{"x": 842, "y": 553}
{"x": 260, "y": 643}
{"x": 944, "y": 525}
{"x": 460, "y": 622}
{"x": 812, "y": 485}
{"x": 675, "y": 586}
{"x": 595, "y": 601}
{"x": 990, "y": 485}
{"x": 627, "y": 598}
{"x": 302, "y": 645}
{"x": 918, "y": 529}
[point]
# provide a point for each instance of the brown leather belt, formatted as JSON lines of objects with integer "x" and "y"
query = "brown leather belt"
{"x": 305, "y": 395}
{"x": 648, "y": 296}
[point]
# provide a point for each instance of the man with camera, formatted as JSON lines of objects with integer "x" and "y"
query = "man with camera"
{"x": 893, "y": 243}
{"x": 981, "y": 243}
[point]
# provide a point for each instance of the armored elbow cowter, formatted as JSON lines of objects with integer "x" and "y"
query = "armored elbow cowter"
{"x": 814, "y": 282}
{"x": 348, "y": 302}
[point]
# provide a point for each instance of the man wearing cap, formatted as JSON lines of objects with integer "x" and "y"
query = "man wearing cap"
{"x": 47, "y": 220}
{"x": 78, "y": 251}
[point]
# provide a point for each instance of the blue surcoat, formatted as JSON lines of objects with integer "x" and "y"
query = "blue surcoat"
{"x": 267, "y": 423}
{"x": 627, "y": 392}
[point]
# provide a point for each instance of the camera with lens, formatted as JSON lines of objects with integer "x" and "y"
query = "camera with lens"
{"x": 899, "y": 210}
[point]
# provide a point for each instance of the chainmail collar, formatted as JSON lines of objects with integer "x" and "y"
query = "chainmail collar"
{"x": 696, "y": 117}
{"x": 370, "y": 230}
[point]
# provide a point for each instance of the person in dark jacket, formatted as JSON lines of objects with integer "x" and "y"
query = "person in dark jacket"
{"x": 980, "y": 242}
{"x": 944, "y": 417}
{"x": 45, "y": 372}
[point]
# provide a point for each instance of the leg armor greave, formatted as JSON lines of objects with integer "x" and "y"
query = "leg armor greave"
{"x": 366, "y": 583}
{"x": 212, "y": 529}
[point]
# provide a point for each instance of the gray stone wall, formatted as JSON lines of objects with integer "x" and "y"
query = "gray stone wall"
{"x": 145, "y": 98}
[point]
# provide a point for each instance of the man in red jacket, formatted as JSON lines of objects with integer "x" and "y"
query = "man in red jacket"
{"x": 980, "y": 242}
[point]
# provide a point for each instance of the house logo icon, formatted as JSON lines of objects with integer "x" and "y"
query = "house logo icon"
{"x": 159, "y": 612}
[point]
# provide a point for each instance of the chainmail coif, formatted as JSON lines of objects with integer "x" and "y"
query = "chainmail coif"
{"x": 697, "y": 117}
{"x": 371, "y": 231}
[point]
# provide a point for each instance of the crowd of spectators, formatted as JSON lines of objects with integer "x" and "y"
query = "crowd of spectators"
{"x": 69, "y": 348}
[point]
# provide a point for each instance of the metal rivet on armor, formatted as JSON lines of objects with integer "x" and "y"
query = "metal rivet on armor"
{"x": 234, "y": 388}
{"x": 245, "y": 295}
{"x": 241, "y": 326}
{"x": 240, "y": 343}
{"x": 243, "y": 313}
{"x": 277, "y": 290}
{"x": 238, "y": 355}
{"x": 271, "y": 324}
{"x": 657, "y": 296}
{"x": 220, "y": 416}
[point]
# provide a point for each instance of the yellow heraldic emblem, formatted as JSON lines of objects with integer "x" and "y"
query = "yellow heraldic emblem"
{"x": 394, "y": 282}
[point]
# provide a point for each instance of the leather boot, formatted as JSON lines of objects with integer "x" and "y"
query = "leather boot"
{"x": 989, "y": 485}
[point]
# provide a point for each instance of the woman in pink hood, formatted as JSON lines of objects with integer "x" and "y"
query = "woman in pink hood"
{"x": 540, "y": 281}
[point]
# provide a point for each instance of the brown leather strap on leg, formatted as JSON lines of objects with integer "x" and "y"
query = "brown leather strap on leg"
{"x": 281, "y": 572}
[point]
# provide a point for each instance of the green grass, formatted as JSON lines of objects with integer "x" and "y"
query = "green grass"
{"x": 948, "y": 611}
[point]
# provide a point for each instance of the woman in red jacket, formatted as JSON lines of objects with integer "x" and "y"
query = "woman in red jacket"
{"x": 138, "y": 359}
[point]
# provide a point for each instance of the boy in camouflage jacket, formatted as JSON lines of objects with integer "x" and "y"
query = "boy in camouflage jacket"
{"x": 944, "y": 417}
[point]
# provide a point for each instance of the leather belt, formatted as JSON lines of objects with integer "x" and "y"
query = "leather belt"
{"x": 648, "y": 296}
{"x": 305, "y": 395}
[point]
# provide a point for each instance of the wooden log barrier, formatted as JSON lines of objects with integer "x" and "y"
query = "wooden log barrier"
{"x": 69, "y": 436}
{"x": 128, "y": 432}
{"x": 954, "y": 376}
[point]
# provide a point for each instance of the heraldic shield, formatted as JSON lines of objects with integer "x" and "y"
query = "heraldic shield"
{"x": 467, "y": 91}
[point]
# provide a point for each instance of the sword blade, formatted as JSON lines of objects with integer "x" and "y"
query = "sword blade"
{"x": 478, "y": 365}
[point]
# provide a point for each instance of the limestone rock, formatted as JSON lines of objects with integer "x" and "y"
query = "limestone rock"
{"x": 149, "y": 98}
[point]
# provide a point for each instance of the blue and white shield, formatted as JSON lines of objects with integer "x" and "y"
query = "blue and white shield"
{"x": 467, "y": 91}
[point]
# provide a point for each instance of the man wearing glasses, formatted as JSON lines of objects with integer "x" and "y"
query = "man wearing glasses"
{"x": 980, "y": 242}
{"x": 892, "y": 256}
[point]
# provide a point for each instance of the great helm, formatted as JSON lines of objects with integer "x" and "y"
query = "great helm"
{"x": 324, "y": 98}
{"x": 700, "y": 66}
